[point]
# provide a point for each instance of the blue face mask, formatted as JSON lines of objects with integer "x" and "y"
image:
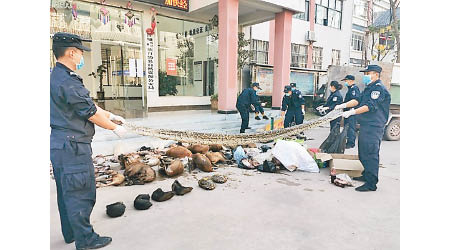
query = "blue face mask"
{"x": 287, "y": 94}
{"x": 366, "y": 79}
{"x": 81, "y": 64}
{"x": 346, "y": 84}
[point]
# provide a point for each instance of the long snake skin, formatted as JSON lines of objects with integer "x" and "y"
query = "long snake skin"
{"x": 231, "y": 140}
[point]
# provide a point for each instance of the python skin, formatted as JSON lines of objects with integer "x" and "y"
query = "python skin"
{"x": 231, "y": 140}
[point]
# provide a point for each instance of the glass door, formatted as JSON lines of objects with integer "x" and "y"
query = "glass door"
{"x": 113, "y": 77}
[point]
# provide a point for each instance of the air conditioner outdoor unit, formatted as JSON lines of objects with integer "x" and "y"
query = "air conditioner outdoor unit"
{"x": 311, "y": 36}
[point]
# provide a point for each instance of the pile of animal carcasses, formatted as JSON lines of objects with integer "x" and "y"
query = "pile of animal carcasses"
{"x": 143, "y": 165}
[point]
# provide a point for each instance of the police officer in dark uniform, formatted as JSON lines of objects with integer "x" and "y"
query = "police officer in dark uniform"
{"x": 72, "y": 118}
{"x": 334, "y": 99}
{"x": 373, "y": 113}
{"x": 297, "y": 92}
{"x": 353, "y": 93}
{"x": 244, "y": 100}
{"x": 294, "y": 103}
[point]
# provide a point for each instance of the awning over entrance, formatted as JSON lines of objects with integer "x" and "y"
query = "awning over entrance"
{"x": 250, "y": 11}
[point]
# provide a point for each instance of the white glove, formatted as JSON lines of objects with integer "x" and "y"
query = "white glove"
{"x": 120, "y": 131}
{"x": 340, "y": 106}
{"x": 118, "y": 118}
{"x": 252, "y": 107}
{"x": 319, "y": 108}
{"x": 303, "y": 111}
{"x": 325, "y": 109}
{"x": 349, "y": 113}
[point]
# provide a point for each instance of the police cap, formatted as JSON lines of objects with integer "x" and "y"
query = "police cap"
{"x": 348, "y": 77}
{"x": 287, "y": 88}
{"x": 293, "y": 84}
{"x": 372, "y": 67}
{"x": 256, "y": 84}
{"x": 62, "y": 39}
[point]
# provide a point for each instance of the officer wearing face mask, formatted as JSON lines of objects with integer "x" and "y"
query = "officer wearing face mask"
{"x": 353, "y": 93}
{"x": 373, "y": 113}
{"x": 72, "y": 118}
{"x": 292, "y": 101}
{"x": 334, "y": 99}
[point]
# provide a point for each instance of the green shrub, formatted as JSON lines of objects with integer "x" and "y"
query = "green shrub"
{"x": 167, "y": 84}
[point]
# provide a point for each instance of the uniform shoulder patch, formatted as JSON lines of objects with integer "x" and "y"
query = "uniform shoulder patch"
{"x": 353, "y": 92}
{"x": 334, "y": 98}
{"x": 375, "y": 94}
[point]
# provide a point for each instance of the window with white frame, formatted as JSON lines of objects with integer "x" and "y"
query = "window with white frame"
{"x": 303, "y": 15}
{"x": 317, "y": 57}
{"x": 329, "y": 13}
{"x": 260, "y": 51}
{"x": 360, "y": 8}
{"x": 357, "y": 42}
{"x": 335, "y": 57}
{"x": 299, "y": 55}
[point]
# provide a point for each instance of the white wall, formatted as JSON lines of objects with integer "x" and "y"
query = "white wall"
{"x": 327, "y": 37}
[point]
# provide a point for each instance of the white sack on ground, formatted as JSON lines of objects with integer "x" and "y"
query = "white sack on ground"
{"x": 292, "y": 155}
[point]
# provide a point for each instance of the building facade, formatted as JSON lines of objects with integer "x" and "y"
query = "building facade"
{"x": 379, "y": 47}
{"x": 155, "y": 54}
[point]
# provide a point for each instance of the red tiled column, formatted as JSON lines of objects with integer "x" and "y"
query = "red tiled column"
{"x": 228, "y": 42}
{"x": 282, "y": 59}
{"x": 312, "y": 18}
{"x": 271, "y": 41}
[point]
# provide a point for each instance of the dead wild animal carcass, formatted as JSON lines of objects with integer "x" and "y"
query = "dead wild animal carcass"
{"x": 136, "y": 172}
{"x": 197, "y": 148}
{"x": 216, "y": 157}
{"x": 202, "y": 162}
{"x": 179, "y": 152}
{"x": 171, "y": 167}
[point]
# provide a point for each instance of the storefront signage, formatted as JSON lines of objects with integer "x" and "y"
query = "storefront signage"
{"x": 171, "y": 66}
{"x": 174, "y": 4}
{"x": 152, "y": 75}
{"x": 196, "y": 31}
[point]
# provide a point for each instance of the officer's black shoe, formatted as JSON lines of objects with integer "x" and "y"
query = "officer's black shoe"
{"x": 365, "y": 188}
{"x": 98, "y": 243}
{"x": 248, "y": 128}
{"x": 265, "y": 117}
{"x": 257, "y": 118}
{"x": 360, "y": 178}
{"x": 241, "y": 131}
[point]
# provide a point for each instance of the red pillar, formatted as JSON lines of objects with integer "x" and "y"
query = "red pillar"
{"x": 271, "y": 42}
{"x": 228, "y": 41}
{"x": 312, "y": 18}
{"x": 282, "y": 60}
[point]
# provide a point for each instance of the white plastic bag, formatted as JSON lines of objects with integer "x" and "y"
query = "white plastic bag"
{"x": 293, "y": 156}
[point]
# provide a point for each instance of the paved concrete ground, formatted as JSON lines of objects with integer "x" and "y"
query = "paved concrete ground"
{"x": 252, "y": 210}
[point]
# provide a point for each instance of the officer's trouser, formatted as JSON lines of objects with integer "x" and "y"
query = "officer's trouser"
{"x": 369, "y": 141}
{"x": 259, "y": 108}
{"x": 245, "y": 113}
{"x": 351, "y": 133}
{"x": 293, "y": 115}
{"x": 334, "y": 122}
{"x": 75, "y": 182}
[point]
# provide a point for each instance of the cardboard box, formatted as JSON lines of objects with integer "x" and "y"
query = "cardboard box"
{"x": 346, "y": 164}
{"x": 342, "y": 163}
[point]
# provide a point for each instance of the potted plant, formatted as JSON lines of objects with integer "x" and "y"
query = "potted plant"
{"x": 101, "y": 69}
{"x": 214, "y": 102}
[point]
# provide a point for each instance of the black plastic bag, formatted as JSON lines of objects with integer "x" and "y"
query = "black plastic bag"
{"x": 268, "y": 167}
{"x": 330, "y": 139}
{"x": 335, "y": 142}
